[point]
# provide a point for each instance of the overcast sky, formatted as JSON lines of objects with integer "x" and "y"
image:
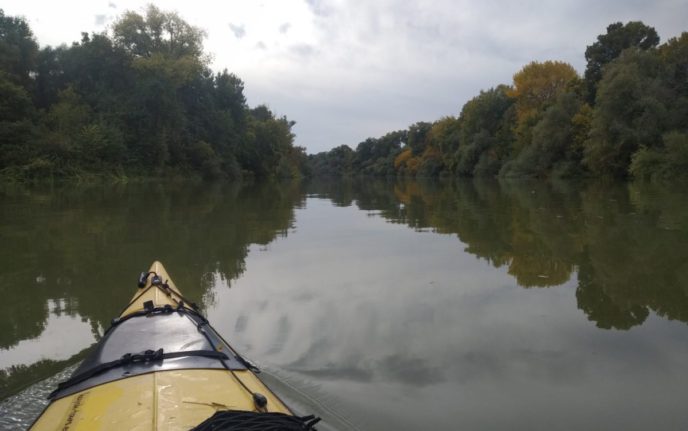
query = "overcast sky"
{"x": 347, "y": 70}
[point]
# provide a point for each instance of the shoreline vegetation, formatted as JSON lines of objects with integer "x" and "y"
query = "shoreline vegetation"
{"x": 627, "y": 117}
{"x": 137, "y": 101}
{"x": 140, "y": 101}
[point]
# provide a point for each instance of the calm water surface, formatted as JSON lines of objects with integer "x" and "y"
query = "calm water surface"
{"x": 377, "y": 305}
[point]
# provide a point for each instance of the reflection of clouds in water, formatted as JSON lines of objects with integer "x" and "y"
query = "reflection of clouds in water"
{"x": 412, "y": 371}
{"x": 240, "y": 324}
{"x": 281, "y": 336}
{"x": 336, "y": 372}
{"x": 381, "y": 320}
{"x": 62, "y": 337}
{"x": 422, "y": 327}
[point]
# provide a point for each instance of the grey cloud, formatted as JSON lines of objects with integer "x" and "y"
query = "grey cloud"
{"x": 238, "y": 30}
{"x": 422, "y": 60}
{"x": 100, "y": 19}
{"x": 337, "y": 373}
{"x": 261, "y": 45}
{"x": 284, "y": 28}
{"x": 319, "y": 7}
{"x": 303, "y": 50}
{"x": 112, "y": 5}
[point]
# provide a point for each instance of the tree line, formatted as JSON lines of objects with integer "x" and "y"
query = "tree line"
{"x": 137, "y": 100}
{"x": 626, "y": 117}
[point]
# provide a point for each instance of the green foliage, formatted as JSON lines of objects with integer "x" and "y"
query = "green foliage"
{"x": 553, "y": 147}
{"x": 445, "y": 136}
{"x": 418, "y": 136}
{"x": 376, "y": 156}
{"x": 674, "y": 57}
{"x": 158, "y": 32}
{"x": 667, "y": 163}
{"x": 140, "y": 99}
{"x": 630, "y": 112}
{"x": 536, "y": 87}
{"x": 609, "y": 46}
{"x": 485, "y": 133}
{"x": 16, "y": 124}
{"x": 18, "y": 49}
{"x": 76, "y": 137}
{"x": 337, "y": 162}
{"x": 204, "y": 159}
{"x": 267, "y": 144}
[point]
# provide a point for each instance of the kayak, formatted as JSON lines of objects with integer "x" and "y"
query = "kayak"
{"x": 161, "y": 366}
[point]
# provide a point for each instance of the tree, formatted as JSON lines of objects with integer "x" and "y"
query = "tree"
{"x": 630, "y": 113}
{"x": 610, "y": 45}
{"x": 674, "y": 57}
{"x": 375, "y": 156}
{"x": 539, "y": 84}
{"x": 445, "y": 136}
{"x": 334, "y": 163}
{"x": 268, "y": 141}
{"x": 16, "y": 123}
{"x": 554, "y": 146}
{"x": 158, "y": 32}
{"x": 77, "y": 138}
{"x": 485, "y": 134}
{"x": 137, "y": 99}
{"x": 417, "y": 137}
{"x": 668, "y": 162}
{"x": 18, "y": 49}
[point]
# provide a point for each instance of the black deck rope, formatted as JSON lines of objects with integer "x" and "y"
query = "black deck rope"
{"x": 150, "y": 310}
{"x": 165, "y": 287}
{"x": 232, "y": 420}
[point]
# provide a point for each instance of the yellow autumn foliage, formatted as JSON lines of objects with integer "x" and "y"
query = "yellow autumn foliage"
{"x": 402, "y": 158}
{"x": 538, "y": 84}
{"x": 412, "y": 165}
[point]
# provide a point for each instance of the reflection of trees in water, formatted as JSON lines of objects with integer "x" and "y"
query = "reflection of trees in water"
{"x": 637, "y": 241}
{"x": 81, "y": 247}
{"x": 627, "y": 242}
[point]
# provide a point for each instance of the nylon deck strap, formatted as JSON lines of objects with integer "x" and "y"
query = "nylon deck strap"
{"x": 151, "y": 310}
{"x": 148, "y": 357}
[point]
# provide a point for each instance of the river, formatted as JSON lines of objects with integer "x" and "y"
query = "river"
{"x": 379, "y": 305}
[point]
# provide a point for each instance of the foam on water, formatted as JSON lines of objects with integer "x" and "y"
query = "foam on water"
{"x": 19, "y": 411}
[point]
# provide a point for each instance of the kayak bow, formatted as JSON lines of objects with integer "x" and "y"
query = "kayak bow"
{"x": 161, "y": 366}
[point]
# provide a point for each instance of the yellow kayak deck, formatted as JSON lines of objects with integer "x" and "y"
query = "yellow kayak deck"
{"x": 176, "y": 399}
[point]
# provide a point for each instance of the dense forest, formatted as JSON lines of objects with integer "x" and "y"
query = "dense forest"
{"x": 137, "y": 100}
{"x": 626, "y": 117}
